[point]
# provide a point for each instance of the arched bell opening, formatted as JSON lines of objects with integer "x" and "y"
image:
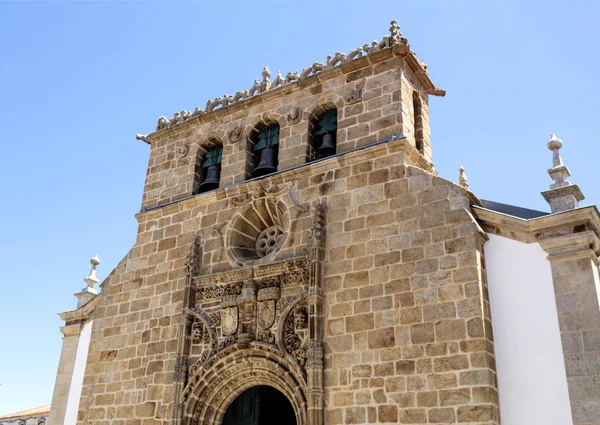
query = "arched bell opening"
{"x": 322, "y": 133}
{"x": 260, "y": 405}
{"x": 263, "y": 151}
{"x": 208, "y": 167}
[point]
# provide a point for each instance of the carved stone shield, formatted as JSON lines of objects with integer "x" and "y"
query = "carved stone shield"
{"x": 229, "y": 320}
{"x": 266, "y": 314}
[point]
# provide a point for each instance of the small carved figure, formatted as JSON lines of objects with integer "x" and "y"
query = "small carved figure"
{"x": 291, "y": 77}
{"x": 183, "y": 116}
{"x": 313, "y": 69}
{"x": 336, "y": 60}
{"x": 369, "y": 49}
{"x": 197, "y": 333}
{"x": 266, "y": 82}
{"x": 354, "y": 96}
{"x": 197, "y": 111}
{"x": 294, "y": 116}
{"x": 227, "y": 99}
{"x": 181, "y": 151}
{"x": 236, "y": 134}
{"x": 212, "y": 104}
{"x": 384, "y": 43}
{"x": 241, "y": 95}
{"x": 278, "y": 80}
{"x": 142, "y": 137}
{"x": 356, "y": 53}
{"x": 162, "y": 123}
{"x": 300, "y": 318}
{"x": 394, "y": 33}
{"x": 174, "y": 120}
{"x": 254, "y": 89}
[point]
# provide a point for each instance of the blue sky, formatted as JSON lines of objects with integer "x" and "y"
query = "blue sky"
{"x": 79, "y": 80}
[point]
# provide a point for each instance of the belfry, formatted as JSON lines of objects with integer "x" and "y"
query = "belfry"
{"x": 300, "y": 261}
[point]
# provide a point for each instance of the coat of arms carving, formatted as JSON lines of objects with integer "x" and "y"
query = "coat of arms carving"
{"x": 229, "y": 320}
{"x": 266, "y": 314}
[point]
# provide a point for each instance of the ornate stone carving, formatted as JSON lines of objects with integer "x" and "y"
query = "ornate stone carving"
{"x": 226, "y": 342}
{"x": 295, "y": 335}
{"x": 266, "y": 82}
{"x": 208, "y": 292}
{"x": 311, "y": 70}
{"x": 142, "y": 137}
{"x": 300, "y": 318}
{"x": 255, "y": 88}
{"x": 292, "y": 76}
{"x": 265, "y": 314}
{"x": 162, "y": 123}
{"x": 180, "y": 371}
{"x": 269, "y": 240}
{"x": 294, "y": 116}
{"x": 197, "y": 333}
{"x": 236, "y": 134}
{"x": 215, "y": 318}
{"x": 393, "y": 40}
{"x": 317, "y": 229}
{"x": 265, "y": 336}
{"x": 296, "y": 277}
{"x": 194, "y": 257}
{"x": 229, "y": 320}
{"x": 356, "y": 53}
{"x": 181, "y": 151}
{"x": 279, "y": 81}
{"x": 354, "y": 95}
{"x": 337, "y": 59}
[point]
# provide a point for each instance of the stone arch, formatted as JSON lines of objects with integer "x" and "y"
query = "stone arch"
{"x": 325, "y": 104}
{"x": 218, "y": 382}
{"x": 251, "y": 131}
{"x": 211, "y": 139}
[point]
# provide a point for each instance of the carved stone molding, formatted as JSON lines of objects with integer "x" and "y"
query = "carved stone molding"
{"x": 181, "y": 151}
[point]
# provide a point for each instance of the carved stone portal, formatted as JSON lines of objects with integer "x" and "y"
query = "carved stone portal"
{"x": 255, "y": 325}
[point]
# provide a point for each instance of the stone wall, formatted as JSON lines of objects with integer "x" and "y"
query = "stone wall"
{"x": 406, "y": 335}
{"x": 373, "y": 96}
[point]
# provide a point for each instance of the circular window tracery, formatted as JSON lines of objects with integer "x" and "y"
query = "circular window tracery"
{"x": 258, "y": 230}
{"x": 269, "y": 240}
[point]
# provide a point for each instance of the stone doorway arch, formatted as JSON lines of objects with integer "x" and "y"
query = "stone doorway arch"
{"x": 215, "y": 385}
{"x": 260, "y": 405}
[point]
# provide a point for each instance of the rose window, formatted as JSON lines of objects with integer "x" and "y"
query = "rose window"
{"x": 258, "y": 230}
{"x": 269, "y": 240}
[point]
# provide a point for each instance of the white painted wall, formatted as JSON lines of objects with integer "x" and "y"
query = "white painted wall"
{"x": 78, "y": 372}
{"x": 531, "y": 371}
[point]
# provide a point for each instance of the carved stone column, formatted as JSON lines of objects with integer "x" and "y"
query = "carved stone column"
{"x": 314, "y": 355}
{"x": 574, "y": 262}
{"x": 66, "y": 364}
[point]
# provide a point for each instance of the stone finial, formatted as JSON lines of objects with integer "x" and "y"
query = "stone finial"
{"x": 395, "y": 33}
{"x": 462, "y": 177}
{"x": 89, "y": 291}
{"x": 563, "y": 195}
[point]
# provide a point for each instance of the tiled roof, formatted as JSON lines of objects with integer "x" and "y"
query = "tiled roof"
{"x": 41, "y": 410}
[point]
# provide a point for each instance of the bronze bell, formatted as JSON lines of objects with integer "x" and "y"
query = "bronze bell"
{"x": 213, "y": 174}
{"x": 327, "y": 145}
{"x": 267, "y": 164}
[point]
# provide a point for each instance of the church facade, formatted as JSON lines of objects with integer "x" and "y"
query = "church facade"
{"x": 299, "y": 260}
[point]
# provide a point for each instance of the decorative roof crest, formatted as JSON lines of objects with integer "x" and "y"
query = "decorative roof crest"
{"x": 388, "y": 41}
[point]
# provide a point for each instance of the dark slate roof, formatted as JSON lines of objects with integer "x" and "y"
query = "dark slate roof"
{"x": 519, "y": 212}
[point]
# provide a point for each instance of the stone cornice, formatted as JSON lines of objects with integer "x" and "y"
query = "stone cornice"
{"x": 416, "y": 66}
{"x": 355, "y": 156}
{"x": 561, "y": 247}
{"x": 581, "y": 221}
{"x": 82, "y": 313}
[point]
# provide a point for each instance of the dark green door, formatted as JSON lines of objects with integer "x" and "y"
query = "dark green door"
{"x": 261, "y": 405}
{"x": 245, "y": 410}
